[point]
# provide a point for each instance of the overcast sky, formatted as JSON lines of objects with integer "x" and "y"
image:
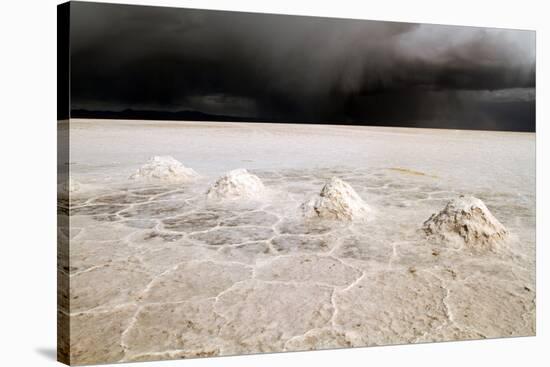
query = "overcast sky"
{"x": 301, "y": 69}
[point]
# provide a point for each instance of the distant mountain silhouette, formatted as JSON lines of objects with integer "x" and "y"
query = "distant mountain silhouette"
{"x": 130, "y": 114}
{"x": 505, "y": 116}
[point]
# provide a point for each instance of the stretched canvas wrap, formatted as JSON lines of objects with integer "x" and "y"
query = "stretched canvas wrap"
{"x": 236, "y": 183}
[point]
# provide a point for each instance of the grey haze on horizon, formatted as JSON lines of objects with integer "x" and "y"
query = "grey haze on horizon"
{"x": 301, "y": 69}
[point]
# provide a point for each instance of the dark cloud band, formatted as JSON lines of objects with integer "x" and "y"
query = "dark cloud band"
{"x": 307, "y": 69}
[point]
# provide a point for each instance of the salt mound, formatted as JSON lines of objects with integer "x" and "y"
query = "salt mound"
{"x": 71, "y": 185}
{"x": 164, "y": 168}
{"x": 238, "y": 183}
{"x": 337, "y": 200}
{"x": 68, "y": 187}
{"x": 468, "y": 219}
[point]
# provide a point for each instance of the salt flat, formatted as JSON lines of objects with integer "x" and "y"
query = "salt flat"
{"x": 158, "y": 271}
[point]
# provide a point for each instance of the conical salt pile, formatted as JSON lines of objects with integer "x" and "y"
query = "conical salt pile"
{"x": 466, "y": 218}
{"x": 166, "y": 169}
{"x": 337, "y": 200}
{"x": 236, "y": 184}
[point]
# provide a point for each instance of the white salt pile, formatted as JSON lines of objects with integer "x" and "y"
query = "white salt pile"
{"x": 337, "y": 200}
{"x": 466, "y": 218}
{"x": 235, "y": 184}
{"x": 164, "y": 168}
{"x": 68, "y": 187}
{"x": 72, "y": 185}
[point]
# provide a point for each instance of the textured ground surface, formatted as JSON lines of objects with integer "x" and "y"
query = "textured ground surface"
{"x": 156, "y": 271}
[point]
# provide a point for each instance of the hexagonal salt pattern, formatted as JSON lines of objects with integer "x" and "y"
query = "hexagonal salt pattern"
{"x": 157, "y": 271}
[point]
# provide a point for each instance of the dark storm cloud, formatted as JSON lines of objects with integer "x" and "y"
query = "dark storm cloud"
{"x": 309, "y": 69}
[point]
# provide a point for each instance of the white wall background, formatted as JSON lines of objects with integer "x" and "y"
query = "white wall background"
{"x": 28, "y": 175}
